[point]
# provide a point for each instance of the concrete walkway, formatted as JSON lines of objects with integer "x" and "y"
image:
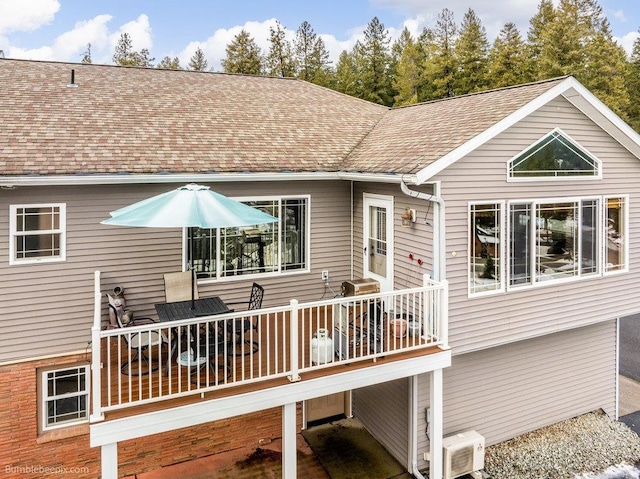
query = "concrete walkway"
{"x": 629, "y": 403}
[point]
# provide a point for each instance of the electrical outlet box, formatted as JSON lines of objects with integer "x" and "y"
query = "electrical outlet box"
{"x": 427, "y": 414}
{"x": 325, "y": 275}
{"x": 427, "y": 456}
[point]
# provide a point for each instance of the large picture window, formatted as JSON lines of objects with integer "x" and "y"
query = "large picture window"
{"x": 64, "y": 397}
{"x": 37, "y": 233}
{"x": 547, "y": 241}
{"x": 256, "y": 249}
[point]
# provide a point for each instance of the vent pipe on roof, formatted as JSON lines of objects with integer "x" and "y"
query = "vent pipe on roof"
{"x": 73, "y": 80}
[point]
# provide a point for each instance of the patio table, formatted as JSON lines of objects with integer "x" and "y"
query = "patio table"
{"x": 182, "y": 310}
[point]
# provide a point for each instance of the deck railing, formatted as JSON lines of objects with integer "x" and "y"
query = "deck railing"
{"x": 195, "y": 356}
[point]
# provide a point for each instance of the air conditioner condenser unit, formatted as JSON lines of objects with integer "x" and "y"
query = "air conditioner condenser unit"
{"x": 462, "y": 454}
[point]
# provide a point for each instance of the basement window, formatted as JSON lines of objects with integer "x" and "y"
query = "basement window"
{"x": 64, "y": 396}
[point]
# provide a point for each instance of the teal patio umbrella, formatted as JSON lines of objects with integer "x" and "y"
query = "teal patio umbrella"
{"x": 190, "y": 206}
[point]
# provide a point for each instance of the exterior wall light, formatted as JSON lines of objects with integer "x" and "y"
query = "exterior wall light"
{"x": 408, "y": 217}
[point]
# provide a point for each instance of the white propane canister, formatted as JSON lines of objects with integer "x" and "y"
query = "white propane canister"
{"x": 321, "y": 347}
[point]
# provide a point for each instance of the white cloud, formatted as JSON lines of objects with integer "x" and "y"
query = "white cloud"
{"x": 26, "y": 15}
{"x": 628, "y": 40}
{"x": 140, "y": 32}
{"x": 70, "y": 45}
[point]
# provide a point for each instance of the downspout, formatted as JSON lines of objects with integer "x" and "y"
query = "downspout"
{"x": 439, "y": 272}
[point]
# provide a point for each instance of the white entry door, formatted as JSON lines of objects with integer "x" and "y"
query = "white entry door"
{"x": 378, "y": 240}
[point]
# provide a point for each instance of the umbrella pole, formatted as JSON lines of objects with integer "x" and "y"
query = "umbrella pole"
{"x": 191, "y": 268}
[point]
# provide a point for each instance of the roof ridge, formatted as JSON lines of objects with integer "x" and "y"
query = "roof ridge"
{"x": 484, "y": 92}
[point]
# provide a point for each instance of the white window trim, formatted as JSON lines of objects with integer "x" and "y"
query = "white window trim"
{"x": 505, "y": 223}
{"x": 503, "y": 246}
{"x": 223, "y": 279}
{"x": 43, "y": 397}
{"x": 13, "y": 233}
{"x": 603, "y": 210}
{"x": 555, "y": 178}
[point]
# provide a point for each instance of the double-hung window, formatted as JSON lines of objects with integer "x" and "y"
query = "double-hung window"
{"x": 64, "y": 396}
{"x": 546, "y": 241}
{"x": 268, "y": 248}
{"x": 37, "y": 233}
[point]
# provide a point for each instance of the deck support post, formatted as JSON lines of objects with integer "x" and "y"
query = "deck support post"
{"x": 289, "y": 433}
{"x": 435, "y": 443}
{"x": 109, "y": 460}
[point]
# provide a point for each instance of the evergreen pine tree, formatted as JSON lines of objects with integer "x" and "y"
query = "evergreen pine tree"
{"x": 537, "y": 25}
{"x": 124, "y": 55}
{"x": 441, "y": 65}
{"x": 198, "y": 62}
{"x": 633, "y": 86}
{"x": 408, "y": 78}
{"x": 312, "y": 57}
{"x": 472, "y": 50}
{"x": 243, "y": 55}
{"x": 373, "y": 53}
{"x": 346, "y": 74}
{"x": 507, "y": 59}
{"x": 279, "y": 60}
{"x": 169, "y": 63}
{"x": 86, "y": 56}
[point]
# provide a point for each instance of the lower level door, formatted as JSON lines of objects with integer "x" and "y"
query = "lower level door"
{"x": 325, "y": 407}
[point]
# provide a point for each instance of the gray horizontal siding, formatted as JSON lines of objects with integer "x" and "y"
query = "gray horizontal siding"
{"x": 383, "y": 409}
{"x": 47, "y": 308}
{"x": 507, "y": 391}
{"x": 481, "y": 322}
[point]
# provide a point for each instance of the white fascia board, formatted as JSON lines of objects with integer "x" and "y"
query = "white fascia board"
{"x": 607, "y": 113}
{"x": 479, "y": 140}
{"x": 8, "y": 182}
{"x": 157, "y": 422}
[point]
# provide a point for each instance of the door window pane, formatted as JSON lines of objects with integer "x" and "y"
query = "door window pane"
{"x": 378, "y": 240}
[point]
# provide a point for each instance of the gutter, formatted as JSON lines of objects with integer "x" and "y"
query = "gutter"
{"x": 9, "y": 182}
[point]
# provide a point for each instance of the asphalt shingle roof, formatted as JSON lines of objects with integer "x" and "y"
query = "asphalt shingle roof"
{"x": 147, "y": 120}
{"x": 144, "y": 121}
{"x": 413, "y": 137}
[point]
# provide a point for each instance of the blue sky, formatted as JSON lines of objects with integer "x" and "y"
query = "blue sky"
{"x": 61, "y": 29}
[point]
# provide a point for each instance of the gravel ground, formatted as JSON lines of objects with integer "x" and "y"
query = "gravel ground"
{"x": 585, "y": 446}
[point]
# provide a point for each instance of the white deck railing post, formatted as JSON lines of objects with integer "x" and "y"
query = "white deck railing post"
{"x": 444, "y": 314}
{"x": 96, "y": 359}
{"x": 293, "y": 342}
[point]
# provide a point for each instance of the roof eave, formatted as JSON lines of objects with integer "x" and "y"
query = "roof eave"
{"x": 8, "y": 182}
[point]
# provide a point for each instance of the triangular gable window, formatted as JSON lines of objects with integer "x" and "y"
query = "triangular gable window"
{"x": 554, "y": 156}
